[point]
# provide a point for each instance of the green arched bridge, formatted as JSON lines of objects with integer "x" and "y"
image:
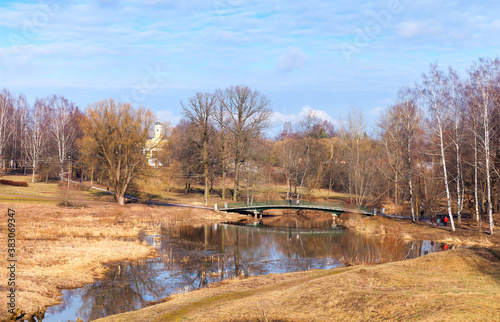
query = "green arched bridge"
{"x": 258, "y": 206}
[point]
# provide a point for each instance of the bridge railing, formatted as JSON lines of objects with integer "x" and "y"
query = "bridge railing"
{"x": 285, "y": 203}
{"x": 256, "y": 204}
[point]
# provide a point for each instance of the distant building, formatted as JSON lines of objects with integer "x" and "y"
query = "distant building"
{"x": 154, "y": 145}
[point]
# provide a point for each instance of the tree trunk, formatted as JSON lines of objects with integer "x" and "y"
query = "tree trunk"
{"x": 205, "y": 163}
{"x": 443, "y": 161}
{"x": 223, "y": 176}
{"x": 236, "y": 179}
{"x": 288, "y": 187}
{"x": 33, "y": 172}
{"x": 458, "y": 180}
{"x": 396, "y": 189}
{"x": 476, "y": 198}
{"x": 121, "y": 199}
{"x": 223, "y": 164}
{"x": 487, "y": 168}
{"x": 408, "y": 145}
{"x": 62, "y": 171}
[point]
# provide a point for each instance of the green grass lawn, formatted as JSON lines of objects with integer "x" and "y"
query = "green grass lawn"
{"x": 27, "y": 200}
{"x": 153, "y": 188}
{"x": 37, "y": 191}
{"x": 34, "y": 189}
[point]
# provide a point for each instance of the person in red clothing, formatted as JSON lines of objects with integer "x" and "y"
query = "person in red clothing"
{"x": 446, "y": 220}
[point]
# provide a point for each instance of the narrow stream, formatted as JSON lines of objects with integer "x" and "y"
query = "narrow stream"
{"x": 192, "y": 257}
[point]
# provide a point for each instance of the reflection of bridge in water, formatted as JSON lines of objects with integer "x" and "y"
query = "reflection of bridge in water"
{"x": 259, "y": 206}
{"x": 287, "y": 230}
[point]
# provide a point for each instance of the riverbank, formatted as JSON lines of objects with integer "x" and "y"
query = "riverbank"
{"x": 457, "y": 285}
{"x": 62, "y": 248}
{"x": 399, "y": 228}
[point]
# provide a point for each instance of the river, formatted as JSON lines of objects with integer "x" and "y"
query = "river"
{"x": 191, "y": 257}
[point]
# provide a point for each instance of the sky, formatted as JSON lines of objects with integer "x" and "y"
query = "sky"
{"x": 320, "y": 56}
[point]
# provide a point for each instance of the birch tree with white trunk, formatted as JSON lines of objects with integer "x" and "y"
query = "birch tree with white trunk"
{"x": 6, "y": 123}
{"x": 485, "y": 83}
{"x": 457, "y": 107}
{"x": 63, "y": 128}
{"x": 435, "y": 93}
{"x": 36, "y": 130}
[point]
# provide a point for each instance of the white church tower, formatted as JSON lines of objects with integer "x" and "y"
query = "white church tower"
{"x": 158, "y": 130}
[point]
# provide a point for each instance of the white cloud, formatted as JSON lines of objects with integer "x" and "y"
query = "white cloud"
{"x": 292, "y": 58}
{"x": 168, "y": 116}
{"x": 376, "y": 111}
{"x": 412, "y": 29}
{"x": 278, "y": 118}
{"x": 496, "y": 25}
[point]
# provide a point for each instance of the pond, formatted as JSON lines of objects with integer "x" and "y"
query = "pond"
{"x": 191, "y": 257}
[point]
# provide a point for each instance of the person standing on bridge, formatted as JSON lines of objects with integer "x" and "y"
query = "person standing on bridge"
{"x": 290, "y": 201}
{"x": 298, "y": 202}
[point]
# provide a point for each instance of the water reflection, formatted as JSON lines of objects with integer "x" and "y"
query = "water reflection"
{"x": 192, "y": 257}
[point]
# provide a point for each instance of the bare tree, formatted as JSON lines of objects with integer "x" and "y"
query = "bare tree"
{"x": 484, "y": 80}
{"x": 391, "y": 137}
{"x": 286, "y": 154}
{"x": 359, "y": 161}
{"x": 473, "y": 125}
{"x": 16, "y": 149}
{"x": 63, "y": 127}
{"x": 457, "y": 105}
{"x": 199, "y": 111}
{"x": 399, "y": 127}
{"x": 248, "y": 112}
{"x": 221, "y": 119}
{"x": 37, "y": 133}
{"x": 186, "y": 161}
{"x": 6, "y": 126}
{"x": 435, "y": 92}
{"x": 116, "y": 134}
{"x": 411, "y": 121}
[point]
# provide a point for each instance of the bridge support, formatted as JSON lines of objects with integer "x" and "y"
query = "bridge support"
{"x": 335, "y": 220}
{"x": 257, "y": 214}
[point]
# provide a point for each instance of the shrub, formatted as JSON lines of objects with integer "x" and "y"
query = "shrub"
{"x": 69, "y": 198}
{"x": 14, "y": 183}
{"x": 19, "y": 183}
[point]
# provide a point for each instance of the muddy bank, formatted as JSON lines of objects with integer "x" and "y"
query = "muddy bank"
{"x": 456, "y": 285}
{"x": 60, "y": 248}
{"x": 378, "y": 225}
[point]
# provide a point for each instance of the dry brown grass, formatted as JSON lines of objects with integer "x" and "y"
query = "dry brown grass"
{"x": 458, "y": 285}
{"x": 47, "y": 266}
{"x": 59, "y": 248}
{"x": 417, "y": 231}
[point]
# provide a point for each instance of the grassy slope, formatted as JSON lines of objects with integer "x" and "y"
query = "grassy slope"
{"x": 457, "y": 285}
{"x": 43, "y": 192}
{"x": 377, "y": 225}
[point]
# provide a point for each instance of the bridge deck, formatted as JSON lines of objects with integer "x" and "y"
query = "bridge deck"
{"x": 283, "y": 204}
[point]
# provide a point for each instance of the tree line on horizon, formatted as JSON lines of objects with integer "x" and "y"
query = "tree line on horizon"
{"x": 436, "y": 149}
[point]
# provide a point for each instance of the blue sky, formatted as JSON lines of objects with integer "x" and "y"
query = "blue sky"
{"x": 318, "y": 55}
